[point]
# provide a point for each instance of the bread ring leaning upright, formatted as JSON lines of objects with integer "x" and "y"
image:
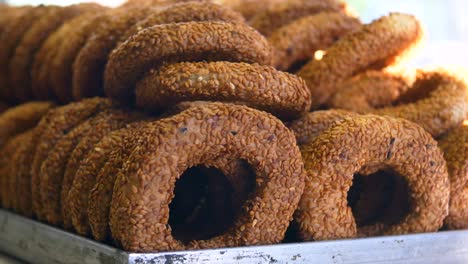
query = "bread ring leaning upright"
{"x": 199, "y": 135}
{"x": 455, "y": 147}
{"x": 386, "y": 143}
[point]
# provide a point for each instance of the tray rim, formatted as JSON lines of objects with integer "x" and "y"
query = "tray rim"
{"x": 42, "y": 243}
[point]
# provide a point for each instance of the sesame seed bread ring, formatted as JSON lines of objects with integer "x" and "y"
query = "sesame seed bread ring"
{"x": 8, "y": 13}
{"x": 369, "y": 90}
{"x": 10, "y": 38}
{"x": 40, "y": 85}
{"x": 374, "y": 46}
{"x": 86, "y": 174}
{"x": 300, "y": 39}
{"x": 261, "y": 87}
{"x": 22, "y": 172}
{"x": 155, "y": 46}
{"x": 102, "y": 125}
{"x": 117, "y": 148}
{"x": 248, "y": 8}
{"x": 282, "y": 13}
{"x": 7, "y": 159}
{"x": 437, "y": 101}
{"x": 334, "y": 156}
{"x": 186, "y": 12}
{"x": 100, "y": 197}
{"x": 45, "y": 72}
{"x": 52, "y": 170}
{"x": 89, "y": 64}
{"x": 455, "y": 147}
{"x": 314, "y": 123}
{"x": 20, "y": 118}
{"x": 54, "y": 125}
{"x": 60, "y": 73}
{"x": 23, "y": 58}
{"x": 12, "y": 179}
{"x": 198, "y": 135}
{"x": 56, "y": 175}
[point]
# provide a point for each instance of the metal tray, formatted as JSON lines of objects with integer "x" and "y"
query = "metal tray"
{"x": 35, "y": 242}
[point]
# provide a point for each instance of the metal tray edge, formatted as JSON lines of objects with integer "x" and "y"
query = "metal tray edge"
{"x": 36, "y": 242}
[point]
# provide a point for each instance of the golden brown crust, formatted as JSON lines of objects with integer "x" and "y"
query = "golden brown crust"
{"x": 45, "y": 71}
{"x": 87, "y": 175}
{"x": 22, "y": 169}
{"x": 437, "y": 101}
{"x": 10, "y": 38}
{"x": 455, "y": 148}
{"x": 7, "y": 13}
{"x": 61, "y": 68}
{"x": 13, "y": 176}
{"x": 89, "y": 65}
{"x": 102, "y": 125}
{"x": 117, "y": 147}
{"x": 248, "y": 8}
{"x": 154, "y": 46}
{"x": 312, "y": 124}
{"x": 7, "y": 152}
{"x": 52, "y": 171}
{"x": 374, "y": 46}
{"x": 257, "y": 86}
{"x": 323, "y": 212}
{"x": 369, "y": 90}
{"x": 40, "y": 87}
{"x": 186, "y": 12}
{"x": 20, "y": 118}
{"x": 298, "y": 40}
{"x": 279, "y": 178}
{"x": 282, "y": 13}
{"x": 21, "y": 62}
{"x": 53, "y": 126}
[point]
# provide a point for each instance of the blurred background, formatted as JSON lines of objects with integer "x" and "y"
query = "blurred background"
{"x": 445, "y": 22}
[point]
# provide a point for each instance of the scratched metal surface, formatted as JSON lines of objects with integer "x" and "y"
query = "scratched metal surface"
{"x": 38, "y": 243}
{"x": 35, "y": 242}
